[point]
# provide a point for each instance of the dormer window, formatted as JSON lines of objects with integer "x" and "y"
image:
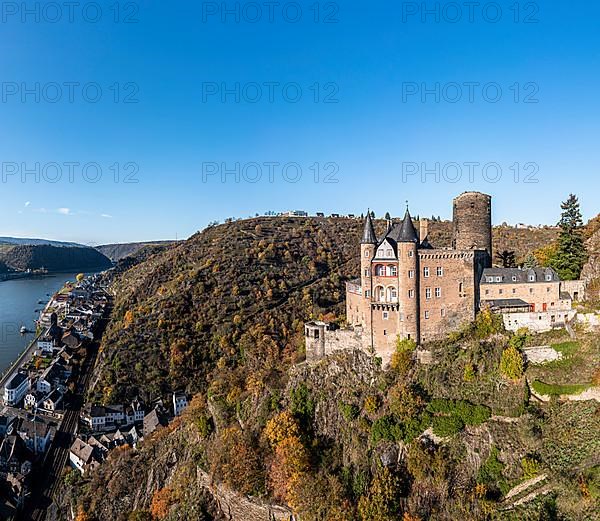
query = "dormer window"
{"x": 388, "y": 253}
{"x": 531, "y": 278}
{"x": 380, "y": 253}
{"x": 548, "y": 278}
{"x": 514, "y": 277}
{"x": 498, "y": 279}
{"x": 490, "y": 279}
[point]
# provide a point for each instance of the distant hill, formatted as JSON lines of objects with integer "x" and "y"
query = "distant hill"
{"x": 53, "y": 258}
{"x": 116, "y": 252}
{"x": 38, "y": 242}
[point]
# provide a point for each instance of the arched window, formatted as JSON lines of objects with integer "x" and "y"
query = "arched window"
{"x": 380, "y": 270}
{"x": 461, "y": 287}
{"x": 392, "y": 294}
{"x": 380, "y": 294}
{"x": 392, "y": 270}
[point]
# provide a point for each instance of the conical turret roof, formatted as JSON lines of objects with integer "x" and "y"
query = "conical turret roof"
{"x": 368, "y": 236}
{"x": 408, "y": 233}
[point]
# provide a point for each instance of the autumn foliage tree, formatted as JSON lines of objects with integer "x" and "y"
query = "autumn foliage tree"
{"x": 161, "y": 503}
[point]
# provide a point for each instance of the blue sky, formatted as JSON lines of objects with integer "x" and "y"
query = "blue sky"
{"x": 374, "y": 65}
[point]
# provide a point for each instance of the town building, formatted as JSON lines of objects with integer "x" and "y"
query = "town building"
{"x": 16, "y": 388}
{"x": 180, "y": 402}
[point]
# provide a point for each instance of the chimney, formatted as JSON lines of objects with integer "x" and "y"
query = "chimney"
{"x": 423, "y": 229}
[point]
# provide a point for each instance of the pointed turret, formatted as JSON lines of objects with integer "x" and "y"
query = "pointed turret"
{"x": 407, "y": 230}
{"x": 368, "y": 236}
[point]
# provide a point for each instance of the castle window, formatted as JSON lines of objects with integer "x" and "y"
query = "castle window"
{"x": 531, "y": 278}
{"x": 393, "y": 271}
{"x": 487, "y": 291}
{"x": 461, "y": 287}
{"x": 380, "y": 294}
{"x": 385, "y": 332}
{"x": 530, "y": 290}
{"x": 386, "y": 315}
{"x": 500, "y": 291}
{"x": 411, "y": 274}
{"x": 392, "y": 295}
{"x": 547, "y": 290}
{"x": 366, "y": 272}
{"x": 380, "y": 270}
{"x": 380, "y": 253}
{"x": 514, "y": 290}
{"x": 410, "y": 253}
{"x": 438, "y": 292}
{"x": 411, "y": 293}
{"x": 426, "y": 315}
{"x": 427, "y": 293}
{"x": 440, "y": 271}
{"x": 443, "y": 312}
{"x": 368, "y": 293}
{"x": 426, "y": 271}
{"x": 316, "y": 333}
{"x": 367, "y": 253}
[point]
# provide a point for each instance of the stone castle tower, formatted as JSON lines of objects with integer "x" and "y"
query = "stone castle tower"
{"x": 472, "y": 222}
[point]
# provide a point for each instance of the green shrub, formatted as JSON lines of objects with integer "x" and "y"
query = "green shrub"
{"x": 530, "y": 466}
{"x": 558, "y": 390}
{"x": 446, "y": 426}
{"x": 466, "y": 412}
{"x": 349, "y": 411}
{"x": 469, "y": 373}
{"x": 385, "y": 429}
{"x": 491, "y": 474}
{"x": 302, "y": 406}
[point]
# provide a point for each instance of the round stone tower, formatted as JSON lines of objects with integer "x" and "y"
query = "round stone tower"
{"x": 472, "y": 222}
{"x": 408, "y": 279}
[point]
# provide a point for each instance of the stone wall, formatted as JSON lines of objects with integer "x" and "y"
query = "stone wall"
{"x": 575, "y": 288}
{"x": 331, "y": 340}
{"x": 236, "y": 507}
{"x": 537, "y": 322}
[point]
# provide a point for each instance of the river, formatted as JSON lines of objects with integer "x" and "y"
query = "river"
{"x": 19, "y": 307}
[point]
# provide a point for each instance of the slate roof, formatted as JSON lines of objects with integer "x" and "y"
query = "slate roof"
{"x": 368, "y": 236}
{"x": 507, "y": 303}
{"x": 518, "y": 275}
{"x": 16, "y": 380}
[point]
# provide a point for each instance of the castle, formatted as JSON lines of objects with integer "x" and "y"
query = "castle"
{"x": 410, "y": 290}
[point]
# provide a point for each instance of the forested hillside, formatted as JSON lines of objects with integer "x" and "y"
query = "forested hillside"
{"x": 221, "y": 316}
{"x": 53, "y": 258}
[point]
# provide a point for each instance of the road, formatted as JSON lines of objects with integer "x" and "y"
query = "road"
{"x": 24, "y": 357}
{"x": 49, "y": 476}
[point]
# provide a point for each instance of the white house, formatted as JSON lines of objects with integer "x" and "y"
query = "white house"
{"x": 52, "y": 401}
{"x": 179, "y": 403}
{"x": 16, "y": 388}
{"x": 82, "y": 455}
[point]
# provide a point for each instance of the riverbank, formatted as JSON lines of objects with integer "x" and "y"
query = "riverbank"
{"x": 21, "y": 275}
